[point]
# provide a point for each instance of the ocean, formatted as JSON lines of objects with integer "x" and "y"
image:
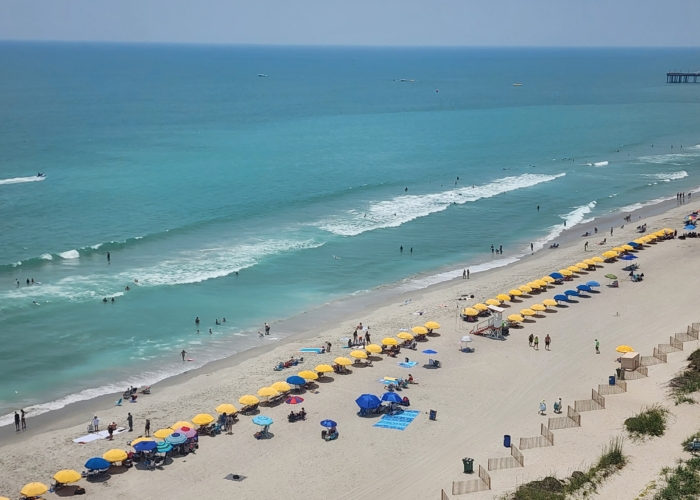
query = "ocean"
{"x": 221, "y": 193}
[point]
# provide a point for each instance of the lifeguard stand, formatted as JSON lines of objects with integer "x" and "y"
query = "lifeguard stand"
{"x": 491, "y": 327}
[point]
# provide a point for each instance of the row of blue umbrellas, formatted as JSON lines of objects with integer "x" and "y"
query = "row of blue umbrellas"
{"x": 370, "y": 401}
{"x": 575, "y": 293}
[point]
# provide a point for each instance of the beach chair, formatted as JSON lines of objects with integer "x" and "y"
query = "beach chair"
{"x": 118, "y": 402}
{"x": 249, "y": 410}
{"x": 694, "y": 445}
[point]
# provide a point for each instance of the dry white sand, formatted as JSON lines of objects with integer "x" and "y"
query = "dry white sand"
{"x": 479, "y": 397}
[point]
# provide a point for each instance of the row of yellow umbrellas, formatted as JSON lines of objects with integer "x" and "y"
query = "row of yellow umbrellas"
{"x": 532, "y": 310}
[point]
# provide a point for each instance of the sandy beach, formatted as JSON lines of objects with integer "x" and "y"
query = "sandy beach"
{"x": 479, "y": 397}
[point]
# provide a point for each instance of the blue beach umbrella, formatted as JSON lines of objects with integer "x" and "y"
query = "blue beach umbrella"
{"x": 296, "y": 380}
{"x": 368, "y": 401}
{"x": 391, "y": 397}
{"x": 145, "y": 446}
{"x": 262, "y": 420}
{"x": 429, "y": 351}
{"x": 584, "y": 288}
{"x": 561, "y": 298}
{"x": 164, "y": 447}
{"x": 633, "y": 244}
{"x": 176, "y": 438}
{"x": 628, "y": 257}
{"x": 593, "y": 283}
{"x": 689, "y": 227}
{"x": 329, "y": 423}
{"x": 557, "y": 276}
{"x": 97, "y": 463}
{"x": 571, "y": 292}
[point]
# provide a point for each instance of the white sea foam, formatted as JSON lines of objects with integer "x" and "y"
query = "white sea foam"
{"x": 671, "y": 158}
{"x": 70, "y": 254}
{"x": 95, "y": 247}
{"x": 598, "y": 164}
{"x": 19, "y": 180}
{"x": 47, "y": 256}
{"x": 637, "y": 206}
{"x": 668, "y": 176}
{"x": 403, "y": 209}
{"x": 576, "y": 216}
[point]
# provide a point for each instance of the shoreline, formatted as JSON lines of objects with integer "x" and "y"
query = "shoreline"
{"x": 310, "y": 324}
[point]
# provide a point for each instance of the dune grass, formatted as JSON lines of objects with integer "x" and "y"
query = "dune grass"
{"x": 682, "y": 481}
{"x": 651, "y": 421}
{"x": 687, "y": 381}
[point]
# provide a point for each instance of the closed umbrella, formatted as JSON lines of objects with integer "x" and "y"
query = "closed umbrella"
{"x": 503, "y": 297}
{"x": 319, "y": 369}
{"x": 33, "y": 489}
{"x": 390, "y": 341}
{"x": 376, "y": 349}
{"x": 420, "y": 330}
{"x": 115, "y": 455}
{"x": 432, "y": 325}
{"x": 329, "y": 423}
{"x": 368, "y": 401}
{"x": 515, "y": 318}
{"x": 296, "y": 380}
{"x": 145, "y": 446}
{"x": 493, "y": 302}
{"x": 527, "y": 312}
{"x": 66, "y": 476}
{"x": 285, "y": 387}
{"x": 391, "y": 397}
{"x": 97, "y": 463}
{"x": 203, "y": 419}
{"x": 248, "y": 400}
{"x": 176, "y": 438}
{"x": 309, "y": 375}
{"x": 226, "y": 408}
{"x": 345, "y": 361}
{"x": 538, "y": 307}
{"x": 162, "y": 433}
{"x": 358, "y": 354}
{"x": 549, "y": 302}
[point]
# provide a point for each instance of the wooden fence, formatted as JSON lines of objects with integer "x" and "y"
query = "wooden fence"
{"x": 483, "y": 483}
{"x": 515, "y": 460}
{"x": 546, "y": 438}
{"x": 606, "y": 389}
{"x": 597, "y": 402}
{"x": 572, "y": 419}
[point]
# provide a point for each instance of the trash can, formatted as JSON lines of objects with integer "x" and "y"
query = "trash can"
{"x": 468, "y": 465}
{"x": 611, "y": 380}
{"x": 506, "y": 440}
{"x": 618, "y": 371}
{"x": 433, "y": 415}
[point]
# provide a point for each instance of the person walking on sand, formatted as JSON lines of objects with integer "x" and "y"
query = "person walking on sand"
{"x": 130, "y": 421}
{"x": 23, "y": 419}
{"x": 585, "y": 247}
{"x": 16, "y": 422}
{"x": 467, "y": 273}
{"x": 183, "y": 354}
{"x": 597, "y": 346}
{"x": 547, "y": 341}
{"x": 530, "y": 339}
{"x": 147, "y": 430}
{"x": 367, "y": 338}
{"x": 611, "y": 231}
{"x": 537, "y": 343}
{"x": 543, "y": 407}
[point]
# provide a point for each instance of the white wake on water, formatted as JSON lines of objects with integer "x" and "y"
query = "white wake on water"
{"x": 20, "y": 180}
{"x": 667, "y": 176}
{"x": 405, "y": 208}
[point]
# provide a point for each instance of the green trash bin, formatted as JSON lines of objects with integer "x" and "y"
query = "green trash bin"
{"x": 468, "y": 465}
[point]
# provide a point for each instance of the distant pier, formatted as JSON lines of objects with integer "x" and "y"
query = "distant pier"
{"x": 678, "y": 77}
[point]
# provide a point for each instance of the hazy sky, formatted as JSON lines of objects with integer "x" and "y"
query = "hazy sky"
{"x": 358, "y": 22}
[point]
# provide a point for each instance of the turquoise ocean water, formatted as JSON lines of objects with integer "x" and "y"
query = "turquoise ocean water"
{"x": 188, "y": 167}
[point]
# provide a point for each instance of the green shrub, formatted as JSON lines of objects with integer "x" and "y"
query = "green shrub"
{"x": 682, "y": 482}
{"x": 651, "y": 421}
{"x": 688, "y": 381}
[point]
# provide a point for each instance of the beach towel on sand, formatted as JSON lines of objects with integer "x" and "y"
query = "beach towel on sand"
{"x": 410, "y": 364}
{"x": 96, "y": 436}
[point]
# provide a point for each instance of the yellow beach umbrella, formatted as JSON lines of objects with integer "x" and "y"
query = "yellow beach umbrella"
{"x": 267, "y": 392}
{"x": 524, "y": 288}
{"x": 598, "y": 260}
{"x": 627, "y": 247}
{"x": 542, "y": 283}
{"x": 248, "y": 400}
{"x": 163, "y": 433}
{"x": 659, "y": 234}
{"x": 432, "y": 325}
{"x": 582, "y": 265}
{"x": 493, "y": 302}
{"x": 589, "y": 262}
{"x": 533, "y": 285}
{"x": 309, "y": 375}
{"x": 574, "y": 269}
{"x": 402, "y": 336}
{"x": 375, "y": 349}
{"x": 538, "y": 307}
{"x": 202, "y": 419}
{"x": 516, "y": 318}
{"x": 343, "y": 361}
{"x": 139, "y": 440}
{"x": 481, "y": 307}
{"x": 420, "y": 330}
{"x": 390, "y": 341}
{"x": 527, "y": 312}
{"x": 319, "y": 369}
{"x": 115, "y": 455}
{"x": 548, "y": 279}
{"x": 33, "y": 489}
{"x": 226, "y": 408}
{"x": 639, "y": 241}
{"x": 180, "y": 425}
{"x": 549, "y": 302}
{"x": 4, "y": 498}
{"x": 624, "y": 348}
{"x": 285, "y": 387}
{"x": 470, "y": 311}
{"x": 358, "y": 354}
{"x": 515, "y": 292}
{"x": 503, "y": 297}
{"x": 618, "y": 249}
{"x": 610, "y": 254}
{"x": 67, "y": 476}
{"x": 565, "y": 272}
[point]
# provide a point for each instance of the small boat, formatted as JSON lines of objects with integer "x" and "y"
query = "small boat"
{"x": 517, "y": 85}
{"x": 261, "y": 75}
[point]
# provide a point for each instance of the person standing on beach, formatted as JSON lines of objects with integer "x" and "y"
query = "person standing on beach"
{"x": 109, "y": 258}
{"x": 354, "y": 336}
{"x": 267, "y": 329}
{"x": 585, "y": 247}
{"x": 547, "y": 341}
{"x": 611, "y": 231}
{"x": 130, "y": 421}
{"x": 367, "y": 339}
{"x": 597, "y": 346}
{"x": 464, "y": 274}
{"x": 530, "y": 339}
{"x": 532, "y": 248}
{"x": 467, "y": 273}
{"x": 23, "y": 420}
{"x": 537, "y": 343}
{"x": 95, "y": 424}
{"x": 147, "y": 430}
{"x": 183, "y": 353}
{"x": 16, "y": 422}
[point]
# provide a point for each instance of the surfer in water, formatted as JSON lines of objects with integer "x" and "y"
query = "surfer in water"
{"x": 109, "y": 257}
